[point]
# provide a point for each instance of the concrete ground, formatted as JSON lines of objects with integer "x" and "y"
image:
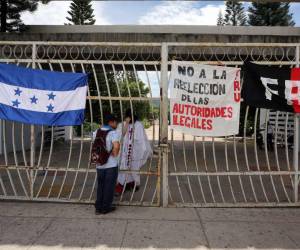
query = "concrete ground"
{"x": 72, "y": 226}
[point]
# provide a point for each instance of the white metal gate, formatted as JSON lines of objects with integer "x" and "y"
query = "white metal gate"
{"x": 38, "y": 163}
{"x": 234, "y": 171}
{"x": 53, "y": 165}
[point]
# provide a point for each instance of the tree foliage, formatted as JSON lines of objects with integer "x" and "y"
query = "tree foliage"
{"x": 220, "y": 20}
{"x": 11, "y": 13}
{"x": 270, "y": 14}
{"x": 109, "y": 85}
{"x": 81, "y": 13}
{"x": 234, "y": 14}
{"x": 120, "y": 84}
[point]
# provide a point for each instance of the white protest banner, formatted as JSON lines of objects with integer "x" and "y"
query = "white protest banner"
{"x": 204, "y": 99}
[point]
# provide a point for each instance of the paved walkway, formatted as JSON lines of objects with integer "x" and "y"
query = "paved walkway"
{"x": 67, "y": 226}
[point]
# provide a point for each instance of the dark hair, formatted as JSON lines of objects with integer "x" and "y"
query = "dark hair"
{"x": 109, "y": 118}
{"x": 128, "y": 113}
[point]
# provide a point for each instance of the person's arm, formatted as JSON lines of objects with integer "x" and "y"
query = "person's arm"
{"x": 115, "y": 143}
{"x": 115, "y": 149}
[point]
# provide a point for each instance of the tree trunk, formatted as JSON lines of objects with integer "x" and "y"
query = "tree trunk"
{"x": 3, "y": 15}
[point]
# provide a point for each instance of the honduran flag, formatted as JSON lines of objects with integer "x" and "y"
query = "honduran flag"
{"x": 42, "y": 97}
{"x": 271, "y": 87}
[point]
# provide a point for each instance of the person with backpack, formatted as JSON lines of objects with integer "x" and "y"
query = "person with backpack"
{"x": 105, "y": 155}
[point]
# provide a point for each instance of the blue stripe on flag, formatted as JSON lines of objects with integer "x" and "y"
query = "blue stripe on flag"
{"x": 41, "y": 79}
{"x": 66, "y": 118}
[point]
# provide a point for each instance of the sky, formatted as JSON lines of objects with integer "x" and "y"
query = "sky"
{"x": 140, "y": 12}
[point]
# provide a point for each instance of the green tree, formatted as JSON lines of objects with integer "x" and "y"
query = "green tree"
{"x": 115, "y": 85}
{"x": 270, "y": 14}
{"x": 220, "y": 20}
{"x": 234, "y": 14}
{"x": 81, "y": 13}
{"x": 10, "y": 13}
{"x": 109, "y": 85}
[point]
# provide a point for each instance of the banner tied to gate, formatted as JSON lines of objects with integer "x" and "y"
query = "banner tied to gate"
{"x": 204, "y": 99}
{"x": 271, "y": 87}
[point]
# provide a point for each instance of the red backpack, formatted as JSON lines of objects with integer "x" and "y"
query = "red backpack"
{"x": 99, "y": 153}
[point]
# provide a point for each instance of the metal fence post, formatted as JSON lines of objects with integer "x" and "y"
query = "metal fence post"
{"x": 164, "y": 123}
{"x": 32, "y": 135}
{"x": 296, "y": 142}
{"x": 295, "y": 156}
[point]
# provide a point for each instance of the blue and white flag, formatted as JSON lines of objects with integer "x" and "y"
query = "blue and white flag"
{"x": 42, "y": 97}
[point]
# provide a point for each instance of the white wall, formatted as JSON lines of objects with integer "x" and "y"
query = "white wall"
{"x": 17, "y": 136}
{"x": 59, "y": 132}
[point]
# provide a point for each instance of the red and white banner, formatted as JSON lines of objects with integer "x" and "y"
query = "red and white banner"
{"x": 271, "y": 87}
{"x": 204, "y": 99}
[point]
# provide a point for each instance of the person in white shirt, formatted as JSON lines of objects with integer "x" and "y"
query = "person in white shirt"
{"x": 135, "y": 152}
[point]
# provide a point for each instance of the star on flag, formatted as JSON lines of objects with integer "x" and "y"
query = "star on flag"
{"x": 34, "y": 99}
{"x": 16, "y": 103}
{"x": 18, "y": 92}
{"x": 50, "y": 107}
{"x": 51, "y": 96}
